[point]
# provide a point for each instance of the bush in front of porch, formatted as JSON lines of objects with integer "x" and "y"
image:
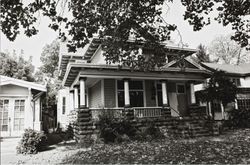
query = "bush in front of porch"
{"x": 122, "y": 130}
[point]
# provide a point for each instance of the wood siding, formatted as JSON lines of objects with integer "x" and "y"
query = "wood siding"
{"x": 95, "y": 96}
{"x": 109, "y": 93}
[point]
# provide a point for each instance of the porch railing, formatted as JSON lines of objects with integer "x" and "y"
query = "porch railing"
{"x": 142, "y": 112}
{"x": 139, "y": 112}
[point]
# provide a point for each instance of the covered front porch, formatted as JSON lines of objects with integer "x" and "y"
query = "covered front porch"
{"x": 146, "y": 97}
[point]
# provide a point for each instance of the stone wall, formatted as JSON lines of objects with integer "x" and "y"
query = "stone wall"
{"x": 187, "y": 127}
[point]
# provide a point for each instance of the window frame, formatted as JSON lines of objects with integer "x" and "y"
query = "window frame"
{"x": 130, "y": 90}
{"x": 63, "y": 105}
{"x": 178, "y": 84}
{"x": 19, "y": 118}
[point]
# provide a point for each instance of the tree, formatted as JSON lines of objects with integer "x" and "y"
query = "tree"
{"x": 228, "y": 51}
{"x": 48, "y": 71}
{"x": 50, "y": 58}
{"x": 115, "y": 21}
{"x": 220, "y": 88}
{"x": 19, "y": 68}
{"x": 202, "y": 55}
{"x": 228, "y": 12}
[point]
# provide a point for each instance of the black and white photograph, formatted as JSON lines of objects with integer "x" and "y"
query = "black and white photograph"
{"x": 124, "y": 82}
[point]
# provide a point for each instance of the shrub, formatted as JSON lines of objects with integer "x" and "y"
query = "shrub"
{"x": 239, "y": 118}
{"x": 31, "y": 142}
{"x": 151, "y": 132}
{"x": 69, "y": 132}
{"x": 115, "y": 130}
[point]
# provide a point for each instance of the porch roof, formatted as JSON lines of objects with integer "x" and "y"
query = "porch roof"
{"x": 76, "y": 70}
{"x": 4, "y": 80}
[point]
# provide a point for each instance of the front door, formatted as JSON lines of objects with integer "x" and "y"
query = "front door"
{"x": 181, "y": 98}
{"x": 11, "y": 116}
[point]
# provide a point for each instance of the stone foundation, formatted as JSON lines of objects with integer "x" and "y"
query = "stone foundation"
{"x": 86, "y": 128}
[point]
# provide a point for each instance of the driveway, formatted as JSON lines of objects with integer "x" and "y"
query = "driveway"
{"x": 8, "y": 150}
{"x": 53, "y": 155}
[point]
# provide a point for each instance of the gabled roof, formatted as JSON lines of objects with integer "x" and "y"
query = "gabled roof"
{"x": 95, "y": 42}
{"x": 4, "y": 80}
{"x": 237, "y": 70}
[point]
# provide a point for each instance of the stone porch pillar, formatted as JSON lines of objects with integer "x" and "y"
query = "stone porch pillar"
{"x": 82, "y": 81}
{"x": 126, "y": 93}
{"x": 164, "y": 93}
{"x": 76, "y": 104}
{"x": 192, "y": 94}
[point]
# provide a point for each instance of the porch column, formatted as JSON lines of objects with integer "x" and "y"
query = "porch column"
{"x": 222, "y": 110}
{"x": 76, "y": 105}
{"x": 71, "y": 100}
{"x": 82, "y": 81}
{"x": 126, "y": 93}
{"x": 236, "y": 104}
{"x": 37, "y": 111}
{"x": 192, "y": 94}
{"x": 164, "y": 93}
{"x": 209, "y": 109}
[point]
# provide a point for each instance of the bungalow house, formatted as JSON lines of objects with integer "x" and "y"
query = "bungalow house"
{"x": 20, "y": 106}
{"x": 240, "y": 75}
{"x": 90, "y": 82}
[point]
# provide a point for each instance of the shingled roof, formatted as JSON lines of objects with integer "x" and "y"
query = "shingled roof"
{"x": 238, "y": 70}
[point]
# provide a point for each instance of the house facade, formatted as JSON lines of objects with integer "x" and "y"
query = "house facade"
{"x": 20, "y": 106}
{"x": 92, "y": 83}
{"x": 240, "y": 75}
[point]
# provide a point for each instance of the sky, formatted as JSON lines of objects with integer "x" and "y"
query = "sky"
{"x": 33, "y": 46}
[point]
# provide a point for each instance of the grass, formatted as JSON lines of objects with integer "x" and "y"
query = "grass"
{"x": 231, "y": 148}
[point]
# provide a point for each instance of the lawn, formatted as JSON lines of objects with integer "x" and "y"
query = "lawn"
{"x": 231, "y": 148}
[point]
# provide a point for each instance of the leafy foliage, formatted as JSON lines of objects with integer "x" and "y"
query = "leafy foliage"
{"x": 117, "y": 21}
{"x": 239, "y": 118}
{"x": 219, "y": 88}
{"x": 123, "y": 130}
{"x": 50, "y": 58}
{"x": 115, "y": 130}
{"x": 230, "y": 12}
{"x": 31, "y": 142}
{"x": 48, "y": 71}
{"x": 202, "y": 55}
{"x": 231, "y": 148}
{"x": 16, "y": 67}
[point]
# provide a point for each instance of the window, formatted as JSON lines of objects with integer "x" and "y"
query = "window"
{"x": 63, "y": 105}
{"x": 19, "y": 115}
{"x": 135, "y": 93}
{"x": 243, "y": 103}
{"x": 4, "y": 108}
{"x": 181, "y": 88}
{"x": 236, "y": 81}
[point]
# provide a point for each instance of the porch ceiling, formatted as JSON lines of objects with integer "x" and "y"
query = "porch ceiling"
{"x": 75, "y": 71}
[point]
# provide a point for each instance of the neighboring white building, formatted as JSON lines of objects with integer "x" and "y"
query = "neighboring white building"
{"x": 20, "y": 106}
{"x": 240, "y": 75}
